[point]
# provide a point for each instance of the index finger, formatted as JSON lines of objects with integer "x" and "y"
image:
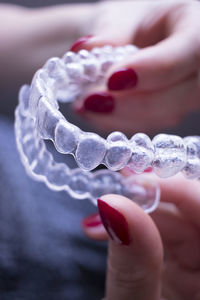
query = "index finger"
{"x": 184, "y": 193}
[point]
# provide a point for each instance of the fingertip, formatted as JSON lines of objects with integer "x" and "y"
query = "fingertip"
{"x": 93, "y": 227}
{"x": 140, "y": 226}
{"x": 99, "y": 102}
{"x": 114, "y": 222}
{"x": 134, "y": 245}
{"x": 91, "y": 221}
{"x": 122, "y": 79}
{"x": 80, "y": 43}
{"x": 89, "y": 42}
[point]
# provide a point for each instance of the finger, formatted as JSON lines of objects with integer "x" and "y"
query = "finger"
{"x": 89, "y": 42}
{"x": 180, "y": 237}
{"x": 184, "y": 194}
{"x": 129, "y": 114}
{"x": 135, "y": 250}
{"x": 179, "y": 191}
{"x": 142, "y": 27}
{"x": 181, "y": 284}
{"x": 152, "y": 67}
{"x": 93, "y": 227}
{"x": 156, "y": 66}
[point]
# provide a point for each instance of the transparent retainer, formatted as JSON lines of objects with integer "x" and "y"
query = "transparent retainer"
{"x": 38, "y": 118}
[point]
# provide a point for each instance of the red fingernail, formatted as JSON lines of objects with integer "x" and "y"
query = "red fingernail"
{"x": 148, "y": 170}
{"x": 100, "y": 103}
{"x": 92, "y": 221}
{"x": 114, "y": 223}
{"x": 123, "y": 79}
{"x": 79, "y": 42}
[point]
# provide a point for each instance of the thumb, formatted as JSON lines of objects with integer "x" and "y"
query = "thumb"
{"x": 135, "y": 250}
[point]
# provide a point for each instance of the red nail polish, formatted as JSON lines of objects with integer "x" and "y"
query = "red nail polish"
{"x": 114, "y": 222}
{"x": 123, "y": 79}
{"x": 148, "y": 170}
{"x": 92, "y": 221}
{"x": 79, "y": 42}
{"x": 100, "y": 103}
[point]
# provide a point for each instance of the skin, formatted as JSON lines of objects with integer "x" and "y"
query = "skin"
{"x": 139, "y": 270}
{"x": 167, "y": 64}
{"x": 168, "y": 89}
{"x": 28, "y": 37}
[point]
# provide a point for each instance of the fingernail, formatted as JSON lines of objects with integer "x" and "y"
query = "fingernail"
{"x": 148, "y": 170}
{"x": 123, "y": 79}
{"x": 114, "y": 223}
{"x": 99, "y": 103}
{"x": 79, "y": 42}
{"x": 92, "y": 221}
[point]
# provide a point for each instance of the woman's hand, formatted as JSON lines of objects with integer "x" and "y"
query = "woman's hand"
{"x": 158, "y": 85}
{"x": 136, "y": 267}
{"x": 28, "y": 37}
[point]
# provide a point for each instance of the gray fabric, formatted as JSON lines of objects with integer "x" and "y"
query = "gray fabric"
{"x": 43, "y": 252}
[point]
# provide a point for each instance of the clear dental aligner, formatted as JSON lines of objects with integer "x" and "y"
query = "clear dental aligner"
{"x": 38, "y": 118}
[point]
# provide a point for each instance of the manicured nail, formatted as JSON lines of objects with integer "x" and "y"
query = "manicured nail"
{"x": 148, "y": 170}
{"x": 122, "y": 79}
{"x": 99, "y": 103}
{"x": 92, "y": 221}
{"x": 114, "y": 223}
{"x": 79, "y": 42}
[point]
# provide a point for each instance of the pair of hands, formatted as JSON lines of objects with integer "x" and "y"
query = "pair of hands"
{"x": 157, "y": 255}
{"x": 167, "y": 69}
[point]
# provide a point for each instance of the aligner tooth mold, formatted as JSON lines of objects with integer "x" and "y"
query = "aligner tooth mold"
{"x": 119, "y": 151}
{"x": 37, "y": 118}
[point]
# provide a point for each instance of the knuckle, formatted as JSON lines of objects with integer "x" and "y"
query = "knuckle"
{"x": 128, "y": 278}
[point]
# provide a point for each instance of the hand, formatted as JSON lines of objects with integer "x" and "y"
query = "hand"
{"x": 157, "y": 86}
{"x": 136, "y": 268}
{"x": 28, "y": 37}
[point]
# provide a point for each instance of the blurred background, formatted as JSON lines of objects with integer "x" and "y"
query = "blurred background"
{"x": 43, "y": 252}
{"x": 38, "y": 3}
